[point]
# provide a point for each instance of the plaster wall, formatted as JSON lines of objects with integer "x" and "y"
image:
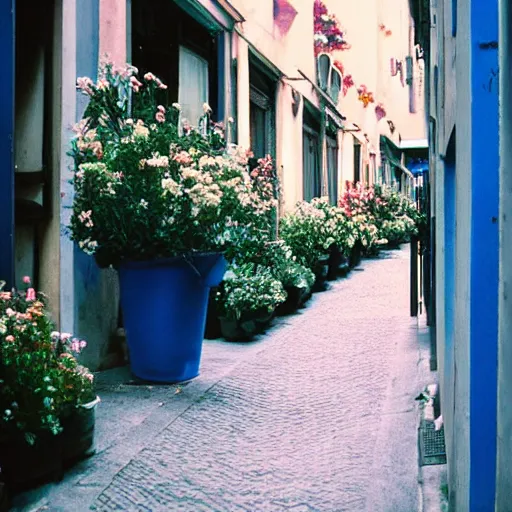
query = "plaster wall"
{"x": 96, "y": 291}
{"x": 504, "y": 434}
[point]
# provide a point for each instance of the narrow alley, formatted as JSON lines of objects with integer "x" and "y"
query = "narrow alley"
{"x": 317, "y": 416}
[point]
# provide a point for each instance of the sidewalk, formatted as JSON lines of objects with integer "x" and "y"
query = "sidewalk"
{"x": 319, "y": 415}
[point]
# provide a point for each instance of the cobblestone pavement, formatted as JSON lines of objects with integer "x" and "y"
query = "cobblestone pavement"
{"x": 321, "y": 419}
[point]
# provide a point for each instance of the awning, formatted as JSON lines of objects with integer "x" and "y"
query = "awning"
{"x": 414, "y": 144}
{"x": 391, "y": 153}
{"x": 214, "y": 16}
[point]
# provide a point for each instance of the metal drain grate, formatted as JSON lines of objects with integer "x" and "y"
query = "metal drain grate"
{"x": 432, "y": 447}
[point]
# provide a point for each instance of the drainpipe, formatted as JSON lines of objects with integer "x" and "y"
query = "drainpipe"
{"x": 504, "y": 440}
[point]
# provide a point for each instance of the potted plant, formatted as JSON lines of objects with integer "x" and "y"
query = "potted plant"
{"x": 47, "y": 399}
{"x": 160, "y": 202}
{"x": 247, "y": 300}
{"x": 298, "y": 282}
{"x": 310, "y": 234}
{"x": 342, "y": 230}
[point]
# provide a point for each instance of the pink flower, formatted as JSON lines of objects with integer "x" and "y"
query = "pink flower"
{"x": 31, "y": 294}
{"x": 149, "y": 77}
{"x": 160, "y": 84}
{"x": 83, "y": 344}
{"x": 160, "y": 117}
{"x": 182, "y": 158}
{"x": 9, "y": 338}
{"x": 26, "y": 280}
{"x": 161, "y": 109}
{"x": 135, "y": 84}
{"x": 85, "y": 84}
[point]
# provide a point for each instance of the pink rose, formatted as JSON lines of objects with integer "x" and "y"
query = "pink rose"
{"x": 31, "y": 294}
{"x": 26, "y": 280}
{"x": 160, "y": 117}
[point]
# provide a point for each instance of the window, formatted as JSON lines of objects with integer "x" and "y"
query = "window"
{"x": 262, "y": 113}
{"x": 332, "y": 169}
{"x": 454, "y": 18}
{"x": 180, "y": 51}
{"x": 193, "y": 85}
{"x": 357, "y": 162}
{"x": 312, "y": 178}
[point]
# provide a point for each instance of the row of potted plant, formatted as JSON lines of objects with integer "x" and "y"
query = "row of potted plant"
{"x": 316, "y": 240}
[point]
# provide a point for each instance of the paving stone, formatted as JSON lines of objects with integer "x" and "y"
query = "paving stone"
{"x": 298, "y": 425}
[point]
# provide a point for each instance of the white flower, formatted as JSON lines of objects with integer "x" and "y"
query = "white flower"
{"x": 140, "y": 130}
{"x": 206, "y": 108}
{"x": 170, "y": 186}
{"x": 158, "y": 161}
{"x": 144, "y": 204}
{"x": 177, "y": 106}
{"x": 189, "y": 173}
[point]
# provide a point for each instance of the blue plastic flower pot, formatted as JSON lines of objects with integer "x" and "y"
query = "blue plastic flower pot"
{"x": 164, "y": 309}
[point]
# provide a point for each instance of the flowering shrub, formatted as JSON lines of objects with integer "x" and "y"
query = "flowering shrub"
{"x": 147, "y": 186}
{"x": 249, "y": 289}
{"x": 328, "y": 34}
{"x": 382, "y": 215}
{"x": 344, "y": 231}
{"x": 277, "y": 256}
{"x": 308, "y": 233}
{"x": 398, "y": 215}
{"x": 41, "y": 381}
{"x": 356, "y": 203}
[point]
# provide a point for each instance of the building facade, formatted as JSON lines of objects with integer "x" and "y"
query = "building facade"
{"x": 265, "y": 64}
{"x": 470, "y": 270}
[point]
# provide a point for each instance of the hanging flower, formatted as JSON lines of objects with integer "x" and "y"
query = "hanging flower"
{"x": 339, "y": 66}
{"x": 348, "y": 82}
{"x": 380, "y": 112}
{"x": 328, "y": 35}
{"x": 365, "y": 96}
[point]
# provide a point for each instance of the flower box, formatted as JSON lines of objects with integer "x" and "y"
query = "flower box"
{"x": 335, "y": 260}
{"x": 294, "y": 301}
{"x": 246, "y": 327}
{"x": 356, "y": 255}
{"x": 321, "y": 272}
{"x": 78, "y": 433}
{"x": 212, "y": 329}
{"x": 25, "y": 465}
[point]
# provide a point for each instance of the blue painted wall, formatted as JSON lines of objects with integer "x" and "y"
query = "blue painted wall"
{"x": 6, "y": 142}
{"x": 484, "y": 253}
